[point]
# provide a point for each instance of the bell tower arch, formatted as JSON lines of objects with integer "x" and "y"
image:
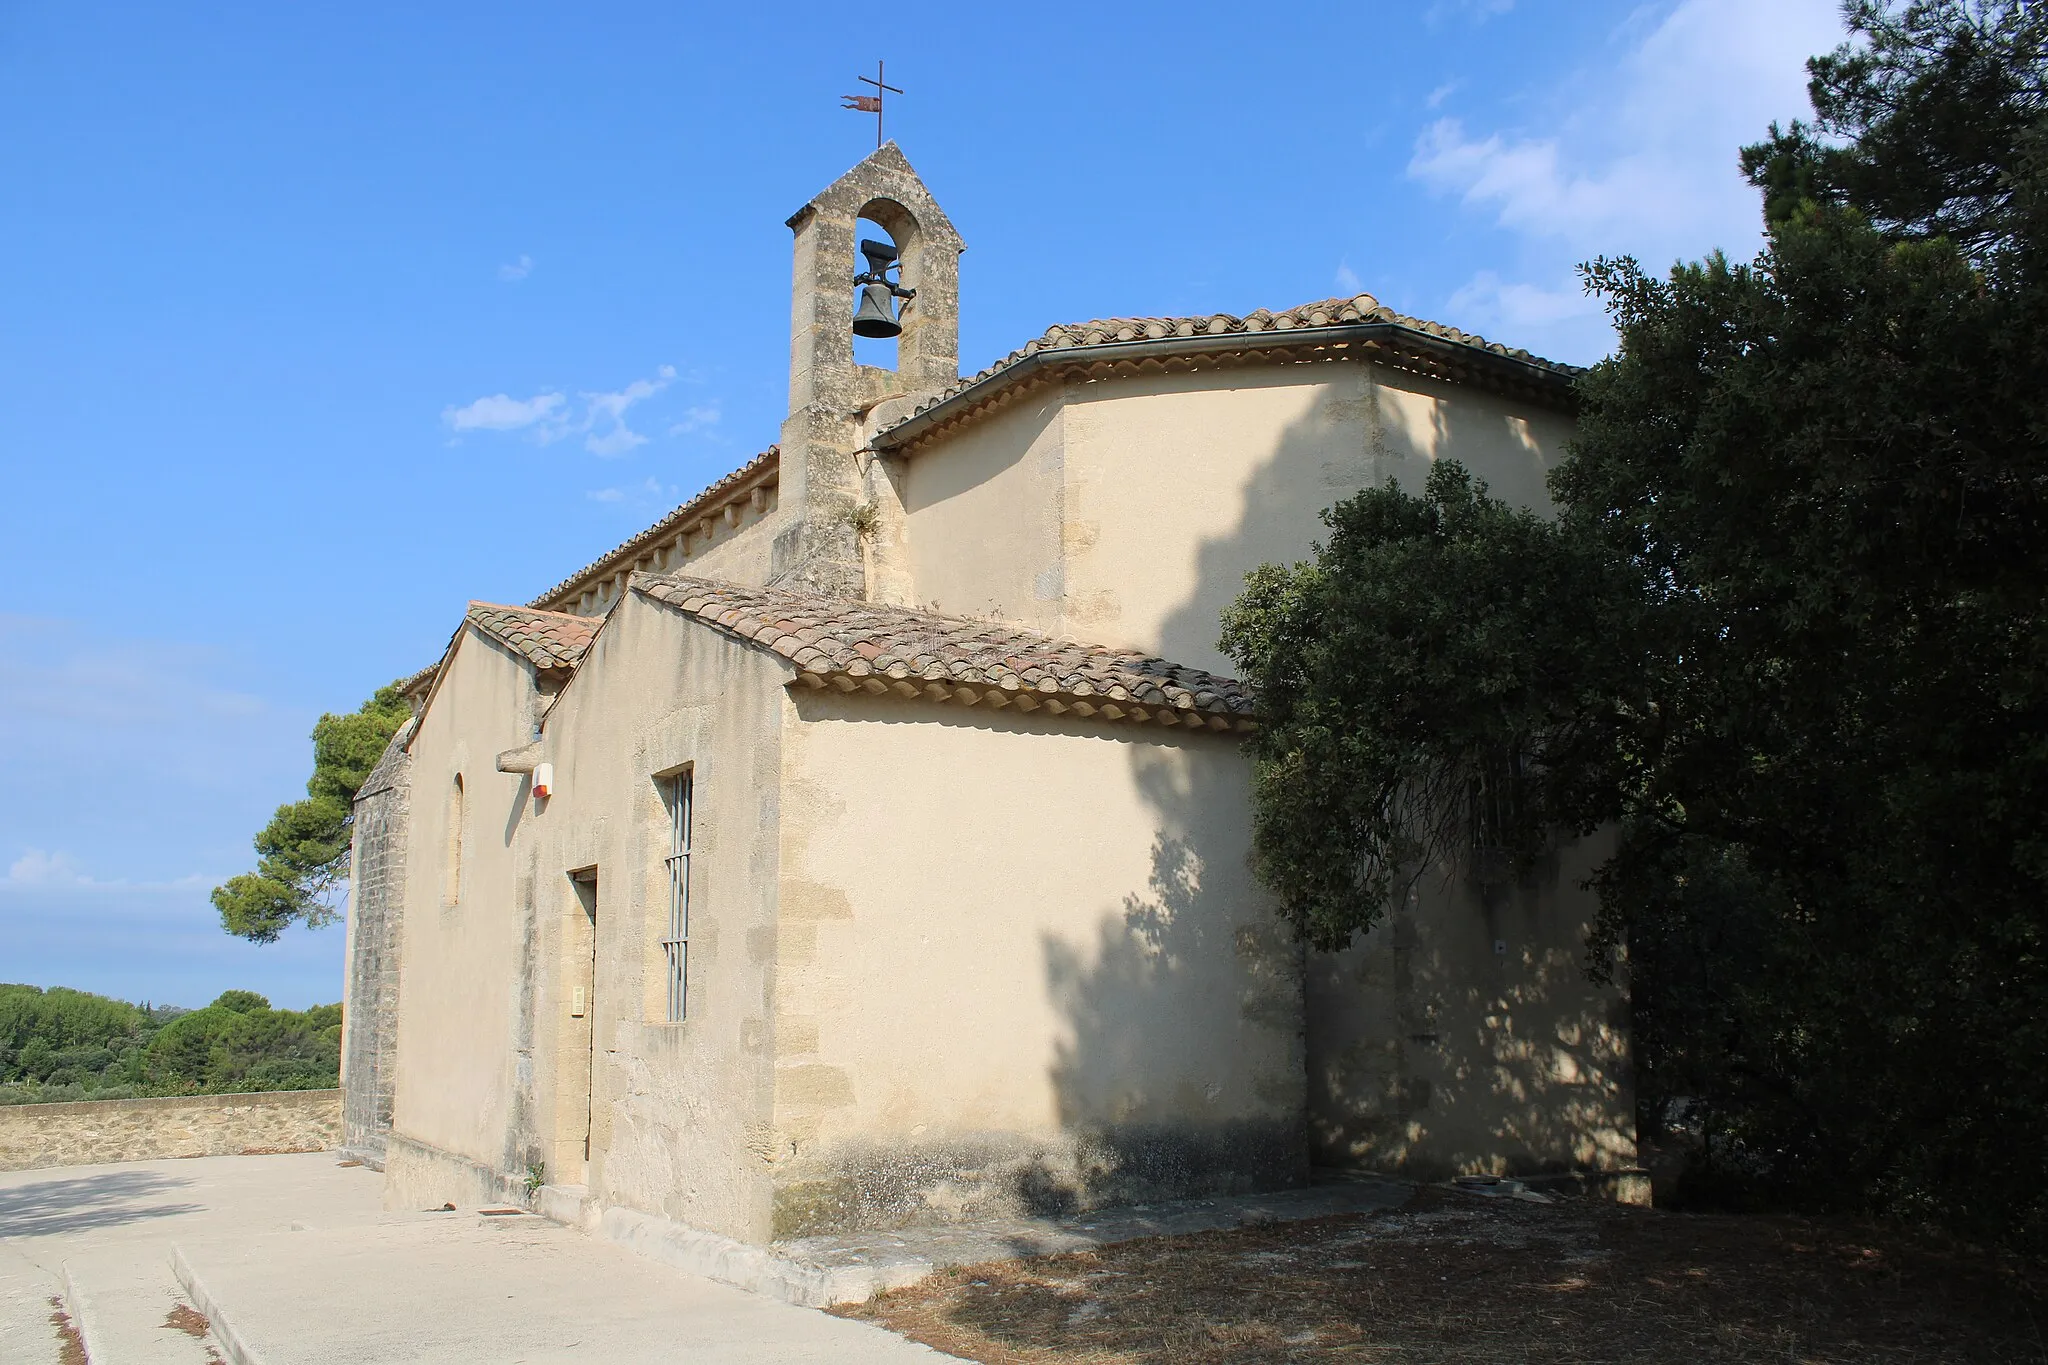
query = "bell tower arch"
{"x": 831, "y": 395}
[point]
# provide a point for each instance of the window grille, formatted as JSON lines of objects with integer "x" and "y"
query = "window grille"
{"x": 675, "y": 948}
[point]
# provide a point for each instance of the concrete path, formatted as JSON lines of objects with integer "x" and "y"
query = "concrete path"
{"x": 294, "y": 1264}
{"x": 102, "y": 1234}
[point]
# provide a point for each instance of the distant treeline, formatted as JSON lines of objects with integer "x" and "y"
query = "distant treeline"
{"x": 59, "y": 1044}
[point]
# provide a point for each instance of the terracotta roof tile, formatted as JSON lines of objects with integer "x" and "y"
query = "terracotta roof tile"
{"x": 855, "y": 645}
{"x": 548, "y": 639}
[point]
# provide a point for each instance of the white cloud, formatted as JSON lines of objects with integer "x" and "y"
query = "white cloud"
{"x": 617, "y": 441}
{"x": 697, "y": 419}
{"x": 516, "y": 270}
{"x": 598, "y": 417}
{"x": 608, "y": 410}
{"x": 1643, "y": 164}
{"x": 502, "y": 412}
{"x": 1441, "y": 93}
{"x": 1516, "y": 307}
{"x": 640, "y": 495}
{"x": 1347, "y": 281}
{"x": 37, "y": 868}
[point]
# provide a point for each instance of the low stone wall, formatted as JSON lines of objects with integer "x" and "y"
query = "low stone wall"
{"x": 93, "y": 1131}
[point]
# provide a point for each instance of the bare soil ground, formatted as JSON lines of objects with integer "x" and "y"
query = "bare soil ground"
{"x": 1455, "y": 1279}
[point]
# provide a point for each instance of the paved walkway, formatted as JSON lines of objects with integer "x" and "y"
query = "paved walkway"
{"x": 296, "y": 1265}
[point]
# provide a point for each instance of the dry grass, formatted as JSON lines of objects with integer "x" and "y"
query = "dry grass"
{"x": 193, "y": 1323}
{"x": 1456, "y": 1280}
{"x": 70, "y": 1346}
{"x": 187, "y": 1319}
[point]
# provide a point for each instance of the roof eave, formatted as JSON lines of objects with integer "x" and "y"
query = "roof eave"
{"x": 996, "y": 697}
{"x": 1546, "y": 379}
{"x": 740, "y": 483}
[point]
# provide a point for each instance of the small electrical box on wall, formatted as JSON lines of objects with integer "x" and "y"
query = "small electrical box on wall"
{"x": 579, "y": 1003}
{"x": 544, "y": 782}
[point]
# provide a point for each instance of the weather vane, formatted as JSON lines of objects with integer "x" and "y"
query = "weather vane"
{"x": 872, "y": 104}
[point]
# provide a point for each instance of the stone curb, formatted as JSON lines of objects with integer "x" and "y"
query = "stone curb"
{"x": 753, "y": 1268}
{"x": 238, "y": 1351}
{"x": 564, "y": 1205}
{"x": 79, "y": 1305}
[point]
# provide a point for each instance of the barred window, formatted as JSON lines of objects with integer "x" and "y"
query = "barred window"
{"x": 675, "y": 947}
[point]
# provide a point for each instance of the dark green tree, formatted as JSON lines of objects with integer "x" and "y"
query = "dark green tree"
{"x": 46, "y": 1034}
{"x": 1787, "y": 634}
{"x": 61, "y": 1044}
{"x": 1425, "y": 698}
{"x": 1932, "y": 127}
{"x": 302, "y": 854}
{"x": 239, "y": 1043}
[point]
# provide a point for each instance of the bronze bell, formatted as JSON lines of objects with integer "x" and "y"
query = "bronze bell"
{"x": 876, "y": 316}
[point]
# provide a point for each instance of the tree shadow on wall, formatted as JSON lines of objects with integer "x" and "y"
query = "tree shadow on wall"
{"x": 1181, "y": 1071}
{"x": 1460, "y": 1034}
{"x": 1354, "y": 435}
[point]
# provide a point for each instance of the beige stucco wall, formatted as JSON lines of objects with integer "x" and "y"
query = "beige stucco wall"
{"x": 1129, "y": 511}
{"x": 982, "y": 517}
{"x": 1021, "y": 965}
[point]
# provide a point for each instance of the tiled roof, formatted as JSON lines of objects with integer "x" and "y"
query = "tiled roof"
{"x": 1324, "y": 314}
{"x": 548, "y": 639}
{"x": 854, "y": 645}
{"x": 654, "y": 535}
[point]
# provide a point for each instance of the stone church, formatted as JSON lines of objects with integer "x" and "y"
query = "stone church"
{"x": 864, "y": 844}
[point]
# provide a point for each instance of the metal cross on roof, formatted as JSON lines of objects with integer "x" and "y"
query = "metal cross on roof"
{"x": 872, "y": 104}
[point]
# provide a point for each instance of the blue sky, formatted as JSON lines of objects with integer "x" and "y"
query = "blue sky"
{"x": 318, "y": 320}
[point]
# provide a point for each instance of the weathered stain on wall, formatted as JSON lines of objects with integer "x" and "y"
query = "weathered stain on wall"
{"x": 95, "y": 1131}
{"x": 868, "y": 1183}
